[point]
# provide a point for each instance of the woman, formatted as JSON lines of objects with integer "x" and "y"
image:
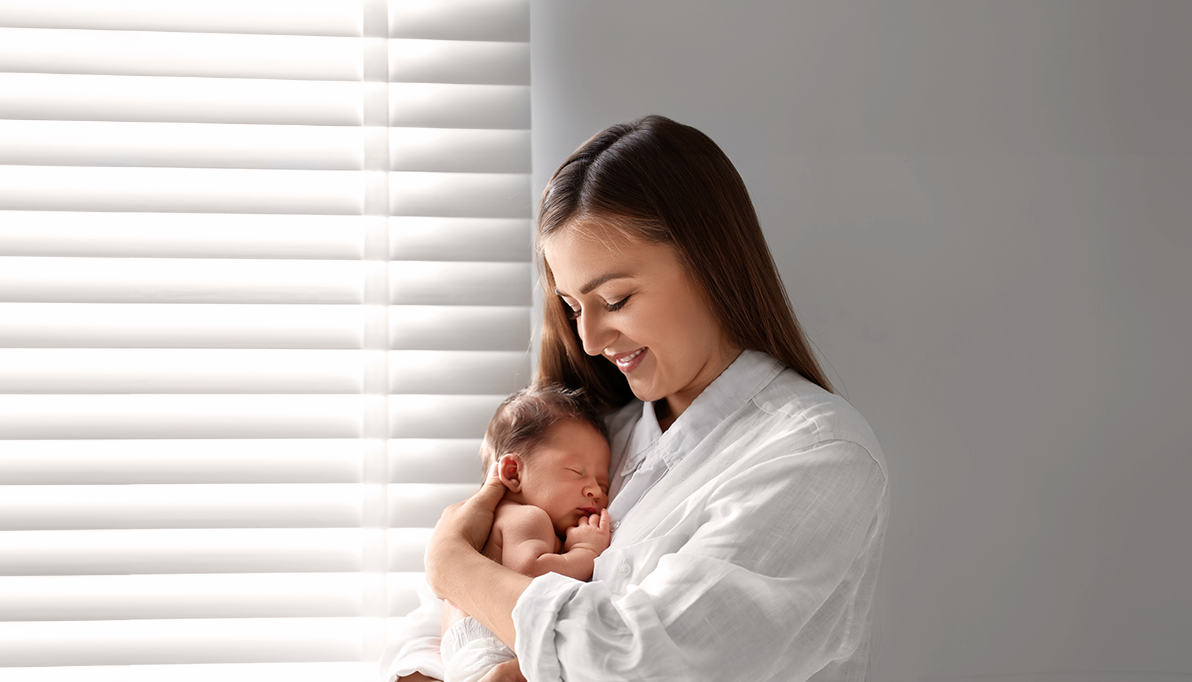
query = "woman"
{"x": 749, "y": 502}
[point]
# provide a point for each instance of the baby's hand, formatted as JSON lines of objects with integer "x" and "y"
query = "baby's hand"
{"x": 591, "y": 533}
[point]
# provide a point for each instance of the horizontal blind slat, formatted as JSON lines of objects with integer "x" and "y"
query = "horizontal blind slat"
{"x": 82, "y": 507}
{"x": 441, "y": 416}
{"x": 310, "y": 17}
{"x": 406, "y": 548}
{"x": 182, "y": 145}
{"x": 73, "y": 97}
{"x": 459, "y": 150}
{"x": 214, "y": 595}
{"x": 457, "y": 372}
{"x": 434, "y": 460}
{"x": 181, "y": 190}
{"x": 198, "y": 325}
{"x": 146, "y": 461}
{"x": 180, "y": 416}
{"x": 202, "y": 595}
{"x": 213, "y": 640}
{"x": 430, "y": 283}
{"x": 414, "y": 238}
{"x": 262, "y": 460}
{"x": 459, "y": 61}
{"x": 489, "y": 195}
{"x": 427, "y": 105}
{"x": 195, "y": 550}
{"x": 425, "y": 327}
{"x": 233, "y": 506}
{"x": 186, "y": 370}
{"x": 307, "y": 671}
{"x": 500, "y": 20}
{"x": 149, "y": 280}
{"x": 418, "y": 505}
{"x": 182, "y": 235}
{"x": 212, "y": 55}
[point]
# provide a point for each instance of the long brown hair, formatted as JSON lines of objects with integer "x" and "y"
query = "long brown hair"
{"x": 667, "y": 183}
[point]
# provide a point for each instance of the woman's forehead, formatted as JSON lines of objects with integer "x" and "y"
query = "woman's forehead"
{"x": 577, "y": 259}
{"x": 611, "y": 234}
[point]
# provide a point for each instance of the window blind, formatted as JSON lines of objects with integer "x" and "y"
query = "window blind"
{"x": 264, "y": 275}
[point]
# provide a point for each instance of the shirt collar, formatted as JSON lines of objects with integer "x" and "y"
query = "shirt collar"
{"x": 737, "y": 384}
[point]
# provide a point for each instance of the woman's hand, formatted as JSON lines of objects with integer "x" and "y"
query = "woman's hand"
{"x": 463, "y": 525}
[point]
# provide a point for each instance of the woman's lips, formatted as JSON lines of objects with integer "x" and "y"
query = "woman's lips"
{"x": 627, "y": 362}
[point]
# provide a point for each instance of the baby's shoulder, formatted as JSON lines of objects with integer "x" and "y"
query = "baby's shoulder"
{"x": 525, "y": 517}
{"x": 509, "y": 511}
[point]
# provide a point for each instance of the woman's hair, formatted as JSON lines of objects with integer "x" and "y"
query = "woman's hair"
{"x": 523, "y": 421}
{"x": 662, "y": 182}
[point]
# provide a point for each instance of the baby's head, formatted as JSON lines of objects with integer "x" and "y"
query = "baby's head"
{"x": 552, "y": 452}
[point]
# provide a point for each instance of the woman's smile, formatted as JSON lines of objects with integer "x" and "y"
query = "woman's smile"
{"x": 627, "y": 362}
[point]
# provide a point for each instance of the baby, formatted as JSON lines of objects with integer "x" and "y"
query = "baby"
{"x": 551, "y": 452}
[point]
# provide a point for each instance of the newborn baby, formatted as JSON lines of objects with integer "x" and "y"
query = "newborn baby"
{"x": 552, "y": 454}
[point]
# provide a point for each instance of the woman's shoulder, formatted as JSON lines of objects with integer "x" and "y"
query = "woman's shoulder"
{"x": 798, "y": 410}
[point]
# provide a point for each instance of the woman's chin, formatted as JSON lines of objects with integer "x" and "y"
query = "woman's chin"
{"x": 644, "y": 392}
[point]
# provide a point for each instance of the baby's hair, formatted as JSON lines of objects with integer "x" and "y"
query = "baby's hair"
{"x": 523, "y": 421}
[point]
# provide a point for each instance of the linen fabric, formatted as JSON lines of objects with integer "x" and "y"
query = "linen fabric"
{"x": 746, "y": 545}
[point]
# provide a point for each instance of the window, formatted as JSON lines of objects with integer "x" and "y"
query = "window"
{"x": 264, "y": 275}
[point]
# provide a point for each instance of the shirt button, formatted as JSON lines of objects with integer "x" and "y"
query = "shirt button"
{"x": 624, "y": 569}
{"x": 616, "y": 525}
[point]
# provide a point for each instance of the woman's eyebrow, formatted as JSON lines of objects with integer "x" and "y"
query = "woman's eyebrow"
{"x": 587, "y": 288}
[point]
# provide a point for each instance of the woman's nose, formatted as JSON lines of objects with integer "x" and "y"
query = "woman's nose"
{"x": 593, "y": 333}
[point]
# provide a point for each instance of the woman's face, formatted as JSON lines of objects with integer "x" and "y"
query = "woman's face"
{"x": 635, "y": 306}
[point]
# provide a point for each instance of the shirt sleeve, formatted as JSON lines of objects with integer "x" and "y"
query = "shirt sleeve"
{"x": 771, "y": 583}
{"x": 415, "y": 647}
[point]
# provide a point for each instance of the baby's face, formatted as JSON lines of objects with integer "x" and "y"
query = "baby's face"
{"x": 567, "y": 475}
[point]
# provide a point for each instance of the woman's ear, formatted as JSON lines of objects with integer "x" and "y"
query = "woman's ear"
{"x": 509, "y": 467}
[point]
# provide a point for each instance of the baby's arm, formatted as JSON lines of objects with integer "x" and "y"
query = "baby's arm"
{"x": 529, "y": 542}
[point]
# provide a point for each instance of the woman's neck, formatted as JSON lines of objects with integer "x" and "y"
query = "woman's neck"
{"x": 668, "y": 409}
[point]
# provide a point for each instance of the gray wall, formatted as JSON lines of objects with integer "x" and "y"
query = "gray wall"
{"x": 983, "y": 213}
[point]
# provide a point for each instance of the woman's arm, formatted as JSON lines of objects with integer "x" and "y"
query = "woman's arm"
{"x": 456, "y": 570}
{"x": 767, "y": 573}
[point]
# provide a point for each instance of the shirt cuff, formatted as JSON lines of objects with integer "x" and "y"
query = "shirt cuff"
{"x": 534, "y": 619}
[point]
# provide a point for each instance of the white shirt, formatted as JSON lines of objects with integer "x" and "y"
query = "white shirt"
{"x": 747, "y": 542}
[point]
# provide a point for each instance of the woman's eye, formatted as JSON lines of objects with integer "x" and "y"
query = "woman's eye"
{"x": 613, "y": 307}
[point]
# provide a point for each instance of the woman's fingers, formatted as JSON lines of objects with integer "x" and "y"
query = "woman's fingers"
{"x": 472, "y": 519}
{"x": 467, "y": 522}
{"x": 490, "y": 494}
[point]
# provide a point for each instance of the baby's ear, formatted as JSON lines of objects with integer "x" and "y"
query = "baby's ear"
{"x": 509, "y": 467}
